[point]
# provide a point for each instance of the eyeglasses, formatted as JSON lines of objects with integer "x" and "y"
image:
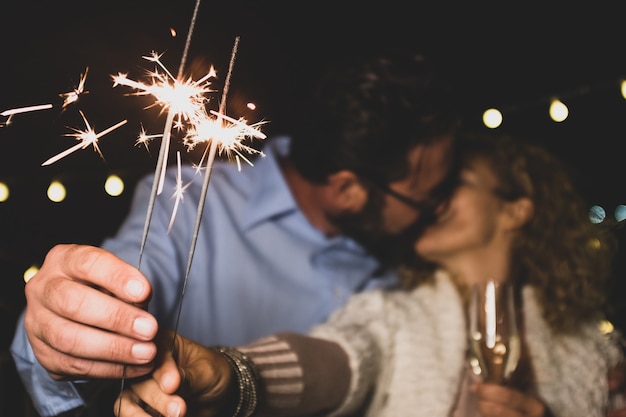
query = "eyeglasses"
{"x": 426, "y": 205}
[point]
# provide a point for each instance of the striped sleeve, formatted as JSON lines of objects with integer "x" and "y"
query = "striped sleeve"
{"x": 299, "y": 374}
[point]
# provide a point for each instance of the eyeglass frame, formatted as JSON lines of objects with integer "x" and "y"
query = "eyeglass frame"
{"x": 428, "y": 205}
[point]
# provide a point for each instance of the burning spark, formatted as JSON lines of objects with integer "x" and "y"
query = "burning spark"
{"x": 228, "y": 133}
{"x": 72, "y": 96}
{"x": 183, "y": 101}
{"x": 178, "y": 193}
{"x": 182, "y": 98}
{"x": 87, "y": 137}
{"x": 144, "y": 138}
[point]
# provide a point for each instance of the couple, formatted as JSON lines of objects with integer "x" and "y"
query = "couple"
{"x": 514, "y": 216}
{"x": 282, "y": 244}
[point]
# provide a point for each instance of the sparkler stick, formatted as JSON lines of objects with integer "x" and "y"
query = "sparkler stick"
{"x": 205, "y": 186}
{"x": 161, "y": 163}
{"x": 165, "y": 145}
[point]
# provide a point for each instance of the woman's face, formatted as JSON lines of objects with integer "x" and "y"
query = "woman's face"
{"x": 471, "y": 221}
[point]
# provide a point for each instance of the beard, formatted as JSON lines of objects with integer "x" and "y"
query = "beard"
{"x": 367, "y": 228}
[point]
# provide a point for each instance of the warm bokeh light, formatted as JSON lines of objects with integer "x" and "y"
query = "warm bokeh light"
{"x": 30, "y": 272}
{"x": 558, "y": 110}
{"x": 56, "y": 191}
{"x": 606, "y": 327}
{"x": 623, "y": 87}
{"x": 114, "y": 185}
{"x": 4, "y": 192}
{"x": 492, "y": 118}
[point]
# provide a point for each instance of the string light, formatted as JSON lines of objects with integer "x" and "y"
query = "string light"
{"x": 4, "y": 192}
{"x": 492, "y": 118}
{"x": 56, "y": 191}
{"x": 558, "y": 110}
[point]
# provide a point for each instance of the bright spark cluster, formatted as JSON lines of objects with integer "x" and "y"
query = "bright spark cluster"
{"x": 187, "y": 101}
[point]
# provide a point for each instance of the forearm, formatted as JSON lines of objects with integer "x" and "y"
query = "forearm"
{"x": 299, "y": 375}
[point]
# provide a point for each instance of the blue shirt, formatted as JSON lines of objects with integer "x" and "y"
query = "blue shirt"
{"x": 259, "y": 266}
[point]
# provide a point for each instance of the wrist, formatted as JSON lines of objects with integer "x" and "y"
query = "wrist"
{"x": 243, "y": 386}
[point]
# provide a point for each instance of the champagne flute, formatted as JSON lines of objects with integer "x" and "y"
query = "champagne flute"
{"x": 494, "y": 339}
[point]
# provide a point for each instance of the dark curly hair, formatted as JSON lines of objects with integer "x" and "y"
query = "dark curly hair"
{"x": 567, "y": 259}
{"x": 366, "y": 112}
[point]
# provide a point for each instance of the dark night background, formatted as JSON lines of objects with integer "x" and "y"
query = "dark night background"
{"x": 515, "y": 59}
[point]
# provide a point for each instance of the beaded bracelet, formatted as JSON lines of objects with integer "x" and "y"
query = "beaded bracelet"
{"x": 247, "y": 380}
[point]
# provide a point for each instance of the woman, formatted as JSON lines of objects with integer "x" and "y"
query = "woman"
{"x": 514, "y": 216}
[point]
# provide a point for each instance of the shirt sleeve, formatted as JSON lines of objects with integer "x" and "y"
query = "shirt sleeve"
{"x": 49, "y": 397}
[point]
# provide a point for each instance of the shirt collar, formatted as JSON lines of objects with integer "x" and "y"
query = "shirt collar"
{"x": 270, "y": 195}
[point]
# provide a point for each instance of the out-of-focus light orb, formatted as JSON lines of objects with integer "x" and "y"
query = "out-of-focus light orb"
{"x": 30, "y": 272}
{"x": 594, "y": 244}
{"x": 624, "y": 88}
{"x": 4, "y": 192}
{"x": 56, "y": 192}
{"x": 558, "y": 110}
{"x": 620, "y": 212}
{"x": 606, "y": 327}
{"x": 114, "y": 185}
{"x": 251, "y": 106}
{"x": 597, "y": 214}
{"x": 492, "y": 118}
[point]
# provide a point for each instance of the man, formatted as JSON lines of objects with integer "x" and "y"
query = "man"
{"x": 282, "y": 243}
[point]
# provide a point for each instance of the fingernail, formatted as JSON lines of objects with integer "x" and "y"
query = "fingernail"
{"x": 144, "y": 327}
{"x": 173, "y": 410}
{"x": 142, "y": 351}
{"x": 134, "y": 288}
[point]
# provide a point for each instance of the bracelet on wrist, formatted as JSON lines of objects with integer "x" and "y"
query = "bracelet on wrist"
{"x": 247, "y": 380}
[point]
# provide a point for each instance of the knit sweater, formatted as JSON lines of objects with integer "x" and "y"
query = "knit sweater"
{"x": 406, "y": 353}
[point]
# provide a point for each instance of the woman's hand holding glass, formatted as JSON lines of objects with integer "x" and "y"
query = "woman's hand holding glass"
{"x": 495, "y": 344}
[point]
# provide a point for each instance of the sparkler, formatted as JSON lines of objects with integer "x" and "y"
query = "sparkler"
{"x": 216, "y": 138}
{"x": 185, "y": 103}
{"x": 196, "y": 95}
{"x": 87, "y": 137}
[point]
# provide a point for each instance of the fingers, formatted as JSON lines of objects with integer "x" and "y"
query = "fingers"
{"x": 64, "y": 300}
{"x": 100, "y": 268}
{"x": 78, "y": 318}
{"x": 145, "y": 397}
{"x": 81, "y": 362}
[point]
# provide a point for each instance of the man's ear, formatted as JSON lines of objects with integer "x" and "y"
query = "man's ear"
{"x": 346, "y": 191}
{"x": 519, "y": 212}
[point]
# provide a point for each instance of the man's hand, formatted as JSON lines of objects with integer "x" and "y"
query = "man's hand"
{"x": 189, "y": 380}
{"x": 82, "y": 316}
